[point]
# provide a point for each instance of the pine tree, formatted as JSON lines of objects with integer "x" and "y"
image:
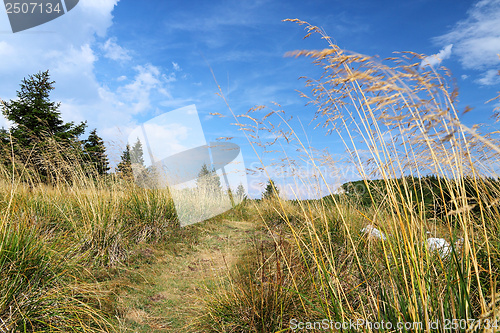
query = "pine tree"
{"x": 208, "y": 180}
{"x": 95, "y": 153}
{"x": 203, "y": 178}
{"x": 35, "y": 117}
{"x": 124, "y": 168}
{"x": 41, "y": 141}
{"x": 271, "y": 190}
{"x": 142, "y": 175}
{"x": 240, "y": 193}
{"x": 137, "y": 153}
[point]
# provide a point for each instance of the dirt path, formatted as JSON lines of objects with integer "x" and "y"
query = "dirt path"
{"x": 163, "y": 288}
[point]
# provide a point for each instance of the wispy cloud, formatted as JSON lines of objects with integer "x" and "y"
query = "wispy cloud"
{"x": 489, "y": 78}
{"x": 114, "y": 51}
{"x": 436, "y": 59}
{"x": 477, "y": 38}
{"x": 148, "y": 79}
{"x": 176, "y": 66}
{"x": 116, "y": 109}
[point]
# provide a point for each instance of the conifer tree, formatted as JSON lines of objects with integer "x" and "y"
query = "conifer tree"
{"x": 35, "y": 116}
{"x": 240, "y": 192}
{"x": 137, "y": 153}
{"x": 95, "y": 153}
{"x": 142, "y": 175}
{"x": 41, "y": 140}
{"x": 208, "y": 180}
{"x": 124, "y": 168}
{"x": 271, "y": 190}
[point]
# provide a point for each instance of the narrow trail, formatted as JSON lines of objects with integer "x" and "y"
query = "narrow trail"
{"x": 163, "y": 289}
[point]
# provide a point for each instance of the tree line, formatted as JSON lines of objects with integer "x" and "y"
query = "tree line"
{"x": 40, "y": 143}
{"x": 438, "y": 196}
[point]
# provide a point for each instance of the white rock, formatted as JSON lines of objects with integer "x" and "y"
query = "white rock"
{"x": 373, "y": 232}
{"x": 439, "y": 245}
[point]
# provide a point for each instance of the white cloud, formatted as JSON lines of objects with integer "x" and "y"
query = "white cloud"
{"x": 436, "y": 59}
{"x": 489, "y": 78}
{"x": 114, "y": 51}
{"x": 96, "y": 16}
{"x": 169, "y": 78}
{"x": 176, "y": 103}
{"x": 477, "y": 38}
{"x": 72, "y": 61}
{"x": 147, "y": 79}
{"x": 113, "y": 110}
{"x": 67, "y": 47}
{"x": 176, "y": 66}
{"x": 64, "y": 46}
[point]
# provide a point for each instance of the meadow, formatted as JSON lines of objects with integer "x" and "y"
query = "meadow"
{"x": 72, "y": 251}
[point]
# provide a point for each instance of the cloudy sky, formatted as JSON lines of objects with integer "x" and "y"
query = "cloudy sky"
{"x": 120, "y": 63}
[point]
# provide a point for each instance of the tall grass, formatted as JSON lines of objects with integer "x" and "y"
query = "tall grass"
{"x": 395, "y": 119}
{"x": 43, "y": 288}
{"x": 57, "y": 232}
{"x": 257, "y": 296}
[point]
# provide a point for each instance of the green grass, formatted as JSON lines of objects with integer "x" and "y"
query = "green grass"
{"x": 42, "y": 289}
{"x": 57, "y": 240}
{"x": 102, "y": 254}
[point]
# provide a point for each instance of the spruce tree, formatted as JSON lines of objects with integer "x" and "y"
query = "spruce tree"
{"x": 35, "y": 116}
{"x": 124, "y": 168}
{"x": 208, "y": 180}
{"x": 41, "y": 140}
{"x": 240, "y": 192}
{"x": 137, "y": 153}
{"x": 141, "y": 173}
{"x": 95, "y": 153}
{"x": 271, "y": 190}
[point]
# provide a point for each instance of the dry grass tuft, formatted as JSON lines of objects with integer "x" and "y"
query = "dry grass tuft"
{"x": 399, "y": 124}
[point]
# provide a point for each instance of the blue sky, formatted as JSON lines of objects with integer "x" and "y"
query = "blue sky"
{"x": 119, "y": 63}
